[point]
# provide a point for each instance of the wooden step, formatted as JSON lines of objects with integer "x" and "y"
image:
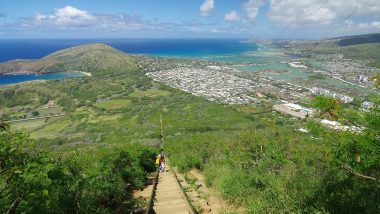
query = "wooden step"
{"x": 169, "y": 196}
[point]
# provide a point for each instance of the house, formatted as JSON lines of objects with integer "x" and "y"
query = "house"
{"x": 367, "y": 105}
{"x": 339, "y": 127}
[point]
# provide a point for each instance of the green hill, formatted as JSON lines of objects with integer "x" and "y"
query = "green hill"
{"x": 88, "y": 58}
{"x": 358, "y": 39}
{"x": 362, "y": 47}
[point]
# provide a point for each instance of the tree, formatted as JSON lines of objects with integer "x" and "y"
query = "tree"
{"x": 376, "y": 80}
{"x": 24, "y": 172}
{"x": 35, "y": 113}
{"x": 352, "y": 181}
{"x": 326, "y": 105}
{"x": 3, "y": 126}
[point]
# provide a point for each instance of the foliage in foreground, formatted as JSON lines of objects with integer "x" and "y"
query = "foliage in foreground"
{"x": 274, "y": 169}
{"x": 97, "y": 180}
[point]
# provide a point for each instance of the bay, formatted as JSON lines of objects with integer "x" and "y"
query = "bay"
{"x": 12, "y": 79}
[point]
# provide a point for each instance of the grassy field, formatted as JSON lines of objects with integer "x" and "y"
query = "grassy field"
{"x": 28, "y": 125}
{"x": 49, "y": 111}
{"x": 114, "y": 104}
{"x": 151, "y": 93}
{"x": 132, "y": 117}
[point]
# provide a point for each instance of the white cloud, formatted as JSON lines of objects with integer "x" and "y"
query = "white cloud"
{"x": 300, "y": 12}
{"x": 232, "y": 16}
{"x": 207, "y": 7}
{"x": 344, "y": 8}
{"x": 348, "y": 22}
{"x": 375, "y": 25}
{"x": 320, "y": 11}
{"x": 252, "y": 8}
{"x": 368, "y": 26}
{"x": 363, "y": 25}
{"x": 67, "y": 16}
{"x": 215, "y": 30}
{"x": 71, "y": 17}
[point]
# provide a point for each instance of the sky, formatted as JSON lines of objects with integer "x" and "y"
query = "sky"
{"x": 267, "y": 19}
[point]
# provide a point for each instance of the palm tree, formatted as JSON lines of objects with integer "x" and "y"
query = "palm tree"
{"x": 326, "y": 105}
{"x": 376, "y": 80}
{"x": 3, "y": 126}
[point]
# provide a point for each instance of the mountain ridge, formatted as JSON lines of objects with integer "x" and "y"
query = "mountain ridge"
{"x": 87, "y": 58}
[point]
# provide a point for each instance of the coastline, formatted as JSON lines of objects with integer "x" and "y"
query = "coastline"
{"x": 23, "y": 77}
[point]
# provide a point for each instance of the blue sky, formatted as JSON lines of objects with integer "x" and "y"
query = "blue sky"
{"x": 294, "y": 19}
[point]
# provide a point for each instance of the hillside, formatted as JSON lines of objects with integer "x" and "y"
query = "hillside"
{"x": 88, "y": 58}
{"x": 95, "y": 141}
{"x": 359, "y": 39}
{"x": 361, "y": 47}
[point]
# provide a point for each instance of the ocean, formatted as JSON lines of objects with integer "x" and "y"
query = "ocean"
{"x": 235, "y": 50}
{"x": 38, "y": 48}
{"x": 11, "y": 79}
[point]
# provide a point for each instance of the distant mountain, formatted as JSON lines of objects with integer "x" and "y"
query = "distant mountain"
{"x": 88, "y": 58}
{"x": 357, "y": 40}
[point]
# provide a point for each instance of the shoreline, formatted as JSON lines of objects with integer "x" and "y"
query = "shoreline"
{"x": 64, "y": 75}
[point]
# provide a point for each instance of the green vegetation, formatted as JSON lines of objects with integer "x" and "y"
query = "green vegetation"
{"x": 359, "y": 39}
{"x": 151, "y": 93}
{"x": 91, "y": 159}
{"x": 376, "y": 78}
{"x": 98, "y": 179}
{"x": 363, "y": 51}
{"x": 365, "y": 47}
{"x": 114, "y": 104}
{"x": 326, "y": 105}
{"x": 272, "y": 168}
{"x": 89, "y": 58}
{"x": 316, "y": 77}
{"x": 3, "y": 126}
{"x": 81, "y": 144}
{"x": 28, "y": 125}
{"x": 375, "y": 64}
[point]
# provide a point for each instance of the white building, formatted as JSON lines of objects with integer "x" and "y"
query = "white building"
{"x": 339, "y": 127}
{"x": 294, "y": 110}
{"x": 367, "y": 105}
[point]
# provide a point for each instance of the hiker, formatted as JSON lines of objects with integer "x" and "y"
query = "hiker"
{"x": 158, "y": 160}
{"x": 162, "y": 164}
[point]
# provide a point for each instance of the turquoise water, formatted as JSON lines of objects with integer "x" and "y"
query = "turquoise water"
{"x": 272, "y": 66}
{"x": 259, "y": 54}
{"x": 11, "y": 79}
{"x": 293, "y": 75}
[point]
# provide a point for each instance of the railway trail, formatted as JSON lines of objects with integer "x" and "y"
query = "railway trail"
{"x": 169, "y": 196}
